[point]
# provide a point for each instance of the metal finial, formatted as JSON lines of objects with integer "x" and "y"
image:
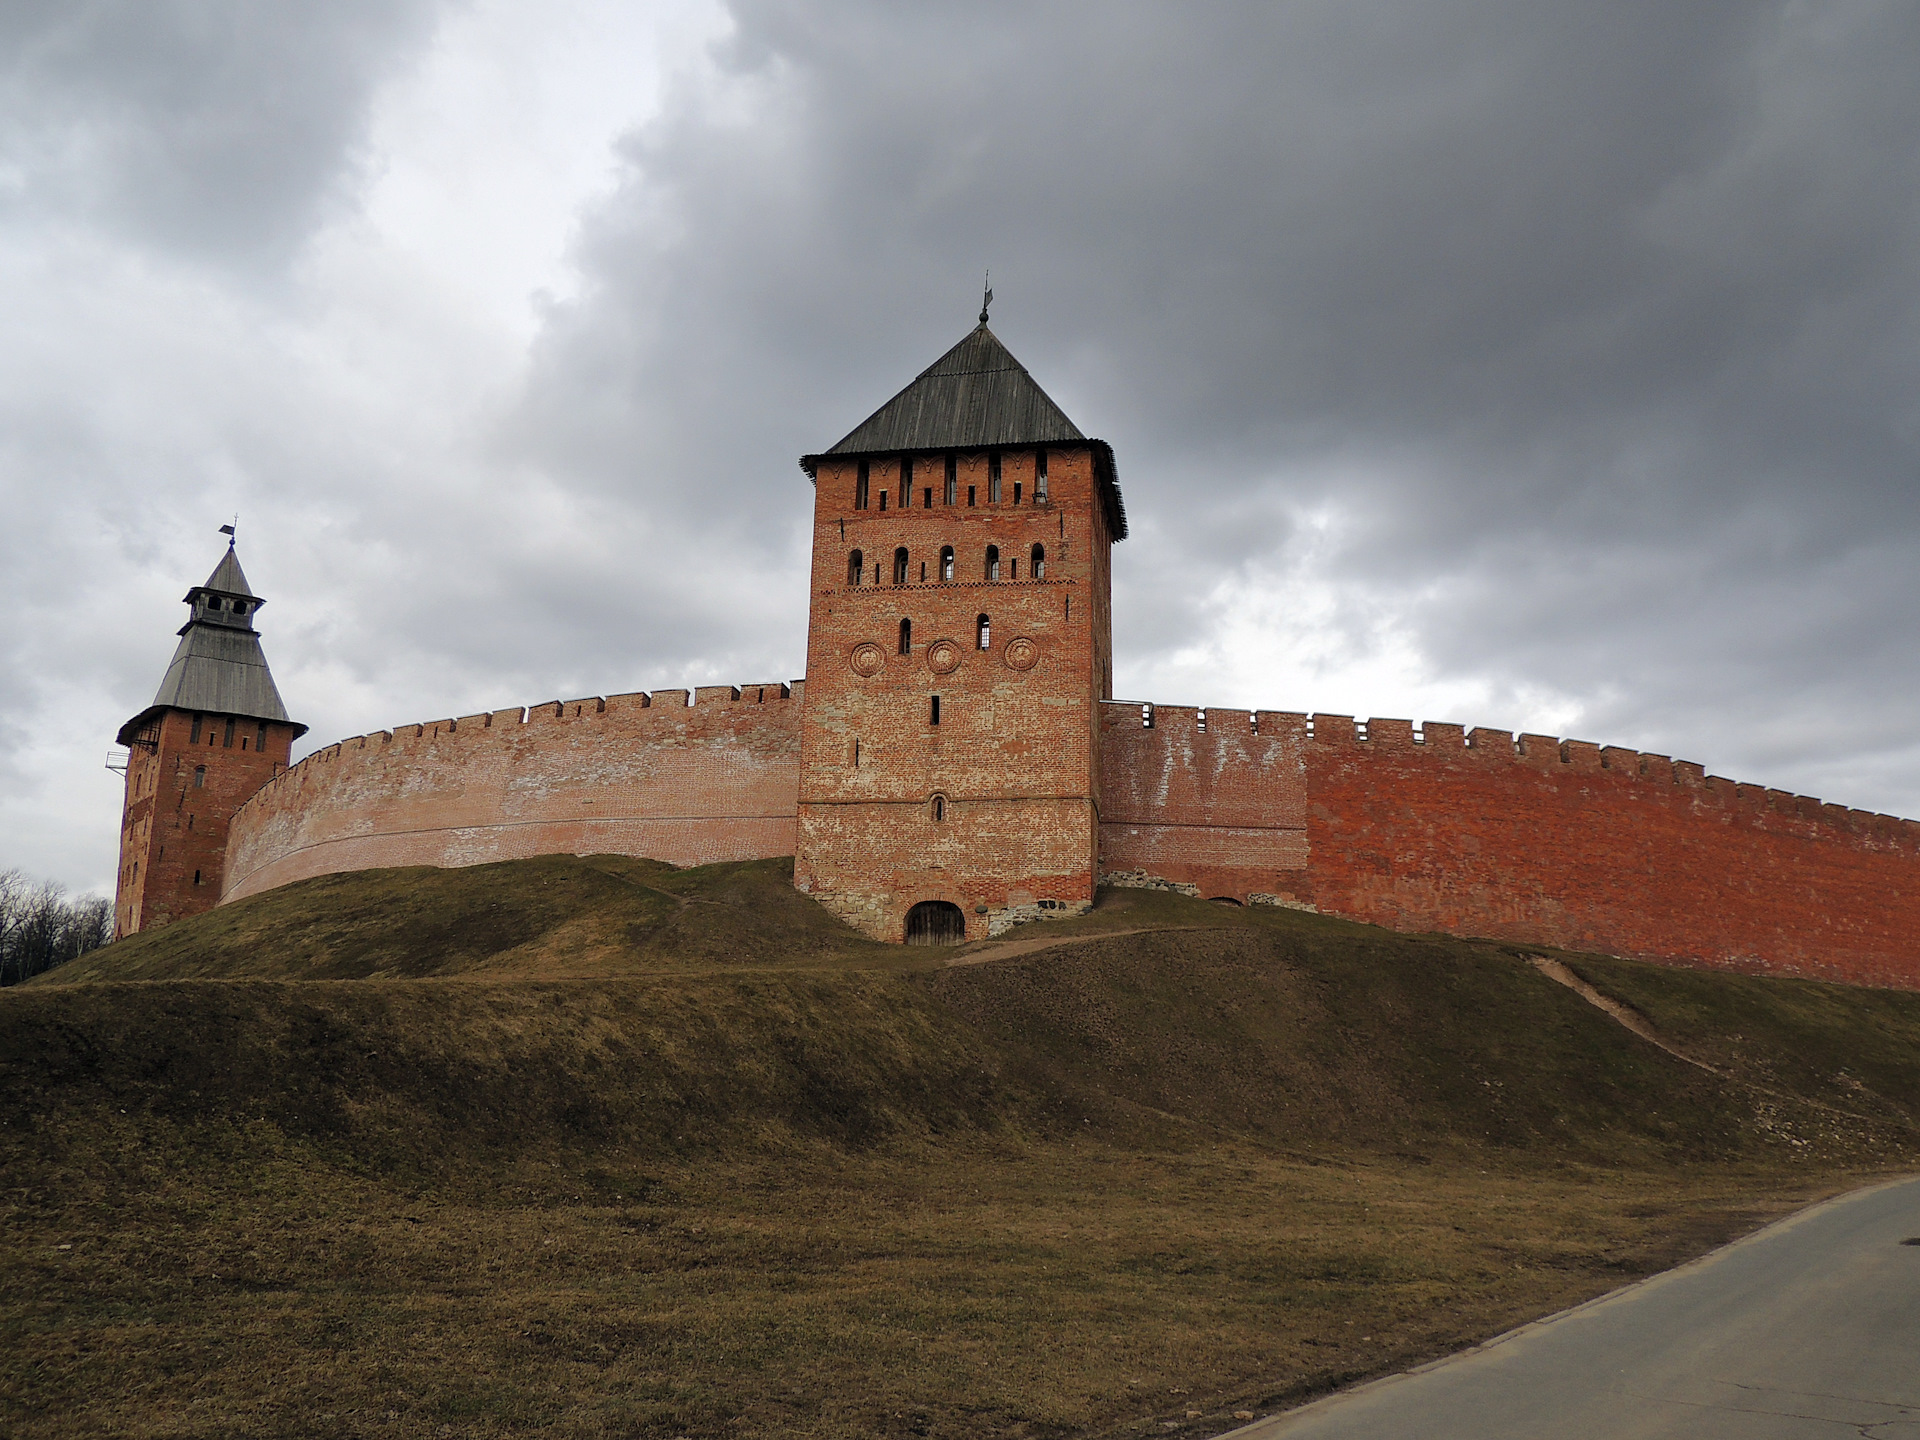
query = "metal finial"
{"x": 227, "y": 530}
{"x": 987, "y": 298}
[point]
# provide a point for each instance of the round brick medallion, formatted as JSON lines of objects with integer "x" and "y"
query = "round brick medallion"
{"x": 1022, "y": 653}
{"x": 943, "y": 657}
{"x": 867, "y": 659}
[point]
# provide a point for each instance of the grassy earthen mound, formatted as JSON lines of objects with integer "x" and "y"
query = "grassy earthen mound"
{"x": 598, "y": 1147}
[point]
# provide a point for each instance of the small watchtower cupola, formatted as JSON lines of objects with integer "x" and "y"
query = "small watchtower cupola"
{"x": 226, "y": 598}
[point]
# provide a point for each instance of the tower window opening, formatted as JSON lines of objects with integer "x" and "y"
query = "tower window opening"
{"x": 906, "y": 482}
{"x": 1013, "y": 569}
{"x": 946, "y": 562}
{"x": 228, "y": 742}
{"x": 1016, "y": 492}
{"x": 993, "y": 478}
{"x": 933, "y": 711}
{"x": 938, "y": 809}
{"x": 982, "y": 633}
{"x": 239, "y": 607}
{"x": 856, "y": 567}
{"x": 953, "y": 478}
{"x": 1040, "y": 477}
{"x": 993, "y": 562}
{"x": 856, "y": 754}
{"x": 196, "y": 877}
{"x": 926, "y": 497}
{"x": 199, "y": 776}
{"x": 860, "y": 485}
{"x": 906, "y": 637}
{"x": 189, "y": 822}
{"x": 923, "y": 572}
{"x": 971, "y": 489}
{"x": 260, "y": 739}
{"x": 900, "y": 566}
{"x": 1039, "y": 567}
{"x": 883, "y": 500}
{"x": 1069, "y": 607}
{"x": 194, "y": 739}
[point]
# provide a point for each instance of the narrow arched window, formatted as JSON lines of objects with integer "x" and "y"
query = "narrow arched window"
{"x": 993, "y": 562}
{"x": 900, "y": 566}
{"x": 856, "y": 567}
{"x": 1039, "y": 567}
{"x": 982, "y": 633}
{"x": 199, "y": 776}
{"x": 860, "y": 488}
{"x": 906, "y": 482}
{"x": 906, "y": 637}
{"x": 946, "y": 562}
{"x": 993, "y": 478}
{"x": 953, "y": 478}
{"x": 1040, "y": 478}
{"x": 938, "y": 808}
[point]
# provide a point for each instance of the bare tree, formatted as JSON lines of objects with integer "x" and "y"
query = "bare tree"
{"x": 40, "y": 928}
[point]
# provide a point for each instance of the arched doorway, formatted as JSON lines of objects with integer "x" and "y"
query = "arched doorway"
{"x": 936, "y": 922}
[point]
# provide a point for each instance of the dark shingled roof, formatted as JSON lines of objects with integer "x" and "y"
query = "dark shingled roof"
{"x": 218, "y": 667}
{"x": 976, "y": 397}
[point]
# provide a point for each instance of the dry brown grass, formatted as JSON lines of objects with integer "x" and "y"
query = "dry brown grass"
{"x": 964, "y": 1289}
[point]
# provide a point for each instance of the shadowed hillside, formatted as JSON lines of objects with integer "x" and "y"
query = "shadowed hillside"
{"x": 598, "y": 1147}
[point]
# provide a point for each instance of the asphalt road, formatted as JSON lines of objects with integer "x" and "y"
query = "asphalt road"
{"x": 1807, "y": 1330}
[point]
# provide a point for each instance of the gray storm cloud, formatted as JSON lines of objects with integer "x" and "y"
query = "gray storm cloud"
{"x": 1567, "y": 352}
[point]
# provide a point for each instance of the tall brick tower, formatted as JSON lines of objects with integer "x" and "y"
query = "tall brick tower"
{"x": 215, "y": 733}
{"x": 959, "y": 643}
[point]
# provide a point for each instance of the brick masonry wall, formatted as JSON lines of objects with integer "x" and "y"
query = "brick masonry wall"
{"x": 1564, "y": 843}
{"x": 1527, "y": 838}
{"x": 1013, "y": 757}
{"x": 638, "y": 774}
{"x": 1212, "y": 799}
{"x": 181, "y": 797}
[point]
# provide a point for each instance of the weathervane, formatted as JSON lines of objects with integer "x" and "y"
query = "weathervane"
{"x": 227, "y": 530}
{"x": 986, "y": 299}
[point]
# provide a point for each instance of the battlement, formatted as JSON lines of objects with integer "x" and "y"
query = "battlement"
{"x": 1324, "y": 733}
{"x": 685, "y": 776}
{"x": 638, "y": 708}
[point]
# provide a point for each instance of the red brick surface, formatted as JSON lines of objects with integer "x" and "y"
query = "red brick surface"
{"x": 173, "y": 831}
{"x": 1014, "y": 755}
{"x": 1535, "y": 840}
{"x": 1215, "y": 799}
{"x": 627, "y": 775}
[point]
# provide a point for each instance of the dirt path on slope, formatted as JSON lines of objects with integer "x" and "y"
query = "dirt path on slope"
{"x": 1009, "y": 949}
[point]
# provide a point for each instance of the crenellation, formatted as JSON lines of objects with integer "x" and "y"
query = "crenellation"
{"x": 1537, "y": 749}
{"x": 1581, "y": 755}
{"x": 1395, "y": 733}
{"x": 1440, "y": 735}
{"x": 1486, "y": 744}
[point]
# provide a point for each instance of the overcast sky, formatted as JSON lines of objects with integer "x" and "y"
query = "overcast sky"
{"x": 1543, "y": 367}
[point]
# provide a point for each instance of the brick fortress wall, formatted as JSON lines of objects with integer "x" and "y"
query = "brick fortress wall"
{"x": 639, "y": 774}
{"x": 1526, "y": 838}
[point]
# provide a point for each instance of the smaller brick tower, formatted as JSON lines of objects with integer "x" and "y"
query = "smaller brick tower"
{"x": 215, "y": 733}
{"x": 958, "y": 646}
